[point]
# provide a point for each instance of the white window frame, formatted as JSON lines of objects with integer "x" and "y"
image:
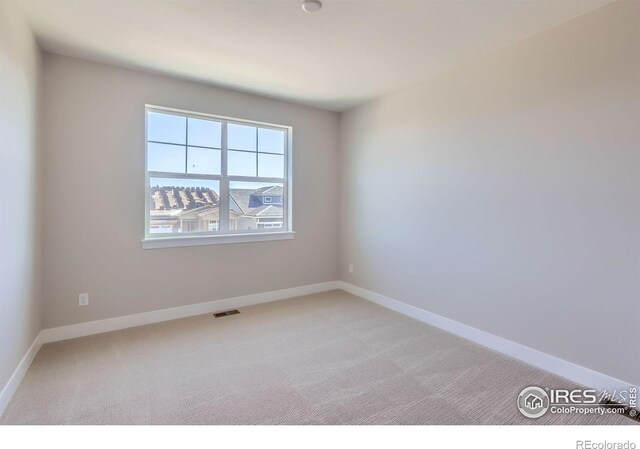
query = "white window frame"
{"x": 224, "y": 235}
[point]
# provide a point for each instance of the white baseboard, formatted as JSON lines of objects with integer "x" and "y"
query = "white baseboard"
{"x": 140, "y": 319}
{"x": 157, "y": 316}
{"x": 568, "y": 370}
{"x": 14, "y": 381}
{"x": 563, "y": 368}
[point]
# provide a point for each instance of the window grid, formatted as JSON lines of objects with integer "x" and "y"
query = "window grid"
{"x": 223, "y": 178}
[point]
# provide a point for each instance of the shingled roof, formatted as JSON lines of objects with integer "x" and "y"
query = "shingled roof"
{"x": 182, "y": 198}
{"x": 247, "y": 207}
{"x": 198, "y": 201}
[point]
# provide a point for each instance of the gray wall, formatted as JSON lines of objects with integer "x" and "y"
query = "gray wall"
{"x": 93, "y": 151}
{"x": 504, "y": 194}
{"x": 20, "y": 308}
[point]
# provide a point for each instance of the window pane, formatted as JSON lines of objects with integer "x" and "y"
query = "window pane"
{"x": 183, "y": 205}
{"x": 204, "y": 133}
{"x": 240, "y": 163}
{"x": 255, "y": 205}
{"x": 241, "y": 137}
{"x": 270, "y": 166}
{"x": 203, "y": 161}
{"x": 271, "y": 140}
{"x": 169, "y": 158}
{"x": 166, "y": 128}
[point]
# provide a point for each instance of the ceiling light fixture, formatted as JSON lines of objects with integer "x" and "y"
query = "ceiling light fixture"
{"x": 311, "y": 5}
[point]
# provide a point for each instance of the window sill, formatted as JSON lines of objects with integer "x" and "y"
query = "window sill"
{"x": 173, "y": 242}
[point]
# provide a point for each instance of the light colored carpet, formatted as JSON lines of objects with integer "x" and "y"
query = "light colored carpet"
{"x": 330, "y": 358}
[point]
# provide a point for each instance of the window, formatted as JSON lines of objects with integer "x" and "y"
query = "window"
{"x": 214, "y": 179}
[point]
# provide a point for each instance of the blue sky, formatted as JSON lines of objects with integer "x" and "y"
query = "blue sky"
{"x": 176, "y": 132}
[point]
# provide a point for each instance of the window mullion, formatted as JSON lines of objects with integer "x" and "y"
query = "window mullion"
{"x": 257, "y": 158}
{"x": 286, "y": 210}
{"x": 186, "y": 145}
{"x": 223, "y": 224}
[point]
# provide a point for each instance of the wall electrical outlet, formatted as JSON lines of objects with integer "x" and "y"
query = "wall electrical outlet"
{"x": 83, "y": 299}
{"x": 350, "y": 268}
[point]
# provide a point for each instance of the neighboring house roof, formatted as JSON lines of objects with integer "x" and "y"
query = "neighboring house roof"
{"x": 182, "y": 198}
{"x": 195, "y": 202}
{"x": 210, "y": 212}
{"x": 242, "y": 199}
{"x": 270, "y": 190}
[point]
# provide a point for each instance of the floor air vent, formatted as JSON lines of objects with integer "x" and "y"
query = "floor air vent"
{"x": 227, "y": 313}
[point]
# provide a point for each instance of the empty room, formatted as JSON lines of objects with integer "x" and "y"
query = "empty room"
{"x": 321, "y": 214}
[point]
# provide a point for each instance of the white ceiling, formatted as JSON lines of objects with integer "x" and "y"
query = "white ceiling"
{"x": 349, "y": 52}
